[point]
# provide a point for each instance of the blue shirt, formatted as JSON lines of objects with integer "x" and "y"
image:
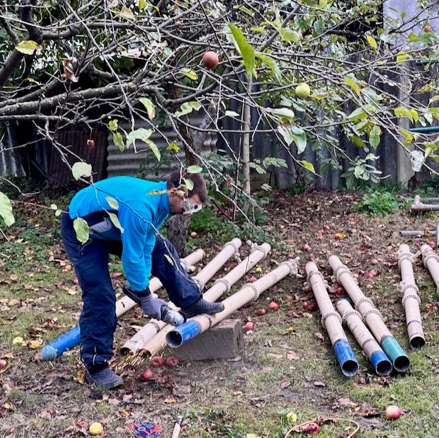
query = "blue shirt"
{"x": 143, "y": 206}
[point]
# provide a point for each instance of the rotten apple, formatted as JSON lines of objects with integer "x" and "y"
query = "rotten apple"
{"x": 172, "y": 361}
{"x": 157, "y": 362}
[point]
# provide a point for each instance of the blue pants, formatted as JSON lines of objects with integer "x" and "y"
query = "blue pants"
{"x": 98, "y": 318}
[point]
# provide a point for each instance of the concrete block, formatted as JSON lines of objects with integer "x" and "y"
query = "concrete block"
{"x": 223, "y": 341}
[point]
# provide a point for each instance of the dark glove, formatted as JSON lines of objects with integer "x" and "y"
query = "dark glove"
{"x": 158, "y": 309}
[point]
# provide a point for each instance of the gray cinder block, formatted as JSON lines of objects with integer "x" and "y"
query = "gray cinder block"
{"x": 223, "y": 341}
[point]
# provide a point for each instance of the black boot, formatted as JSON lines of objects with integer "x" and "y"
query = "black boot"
{"x": 202, "y": 306}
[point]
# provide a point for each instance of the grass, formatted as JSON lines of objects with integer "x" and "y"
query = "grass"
{"x": 287, "y": 364}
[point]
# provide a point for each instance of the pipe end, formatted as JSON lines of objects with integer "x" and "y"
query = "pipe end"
{"x": 381, "y": 363}
{"x": 48, "y": 353}
{"x": 174, "y": 339}
{"x": 417, "y": 342}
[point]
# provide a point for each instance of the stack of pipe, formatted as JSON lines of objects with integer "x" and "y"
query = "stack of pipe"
{"x": 410, "y": 300}
{"x": 371, "y": 315}
{"x": 370, "y": 347}
{"x": 223, "y": 285}
{"x": 70, "y": 339}
{"x": 431, "y": 262}
{"x": 331, "y": 320}
{"x": 199, "y": 324}
{"x": 149, "y": 330}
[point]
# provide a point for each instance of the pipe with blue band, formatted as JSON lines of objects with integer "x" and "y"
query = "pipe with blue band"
{"x": 62, "y": 344}
{"x": 183, "y": 333}
{"x": 346, "y": 358}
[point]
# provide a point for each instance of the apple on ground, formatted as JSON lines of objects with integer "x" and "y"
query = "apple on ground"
{"x": 274, "y": 306}
{"x": 157, "y": 362}
{"x": 249, "y": 326}
{"x": 393, "y": 412}
{"x": 261, "y": 312}
{"x": 172, "y": 361}
{"x": 147, "y": 375}
{"x": 3, "y": 363}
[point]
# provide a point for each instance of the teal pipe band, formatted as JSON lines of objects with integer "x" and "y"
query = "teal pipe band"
{"x": 396, "y": 354}
{"x": 59, "y": 346}
{"x": 381, "y": 363}
{"x": 346, "y": 358}
{"x": 183, "y": 333}
{"x": 426, "y": 130}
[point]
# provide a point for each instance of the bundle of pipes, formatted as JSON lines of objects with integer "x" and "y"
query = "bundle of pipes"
{"x": 420, "y": 206}
{"x": 154, "y": 345}
{"x": 370, "y": 347}
{"x": 331, "y": 321}
{"x": 70, "y": 339}
{"x": 199, "y": 324}
{"x": 371, "y": 315}
{"x": 431, "y": 262}
{"x": 410, "y": 300}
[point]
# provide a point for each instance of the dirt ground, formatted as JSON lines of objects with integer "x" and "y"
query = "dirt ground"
{"x": 286, "y": 363}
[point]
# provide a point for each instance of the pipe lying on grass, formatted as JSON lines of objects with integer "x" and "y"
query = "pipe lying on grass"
{"x": 378, "y": 359}
{"x": 331, "y": 321}
{"x": 199, "y": 324}
{"x": 221, "y": 286}
{"x": 70, "y": 339}
{"x": 149, "y": 330}
{"x": 431, "y": 262}
{"x": 371, "y": 315}
{"x": 410, "y": 300}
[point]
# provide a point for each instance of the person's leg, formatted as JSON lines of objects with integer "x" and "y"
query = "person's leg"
{"x": 98, "y": 318}
{"x": 183, "y": 291}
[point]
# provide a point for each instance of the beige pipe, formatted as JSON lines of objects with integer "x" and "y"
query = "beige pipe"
{"x": 410, "y": 300}
{"x": 221, "y": 286}
{"x": 125, "y": 303}
{"x": 371, "y": 315}
{"x": 431, "y": 262}
{"x": 251, "y": 291}
{"x": 149, "y": 330}
{"x": 331, "y": 320}
{"x": 371, "y": 348}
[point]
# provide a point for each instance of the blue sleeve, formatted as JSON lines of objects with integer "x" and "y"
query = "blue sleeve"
{"x": 138, "y": 240}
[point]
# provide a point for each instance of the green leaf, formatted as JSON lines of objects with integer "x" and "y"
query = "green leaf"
{"x": 173, "y": 147}
{"x": 155, "y": 150}
{"x": 299, "y": 137}
{"x": 138, "y": 134}
{"x": 115, "y": 220}
{"x": 27, "y": 47}
{"x": 308, "y": 166}
{"x": 353, "y": 84}
{"x": 194, "y": 169}
{"x": 118, "y": 141}
{"x": 147, "y": 103}
{"x": 244, "y": 49}
{"x": 112, "y": 125}
{"x": 112, "y": 203}
{"x": 187, "y": 108}
{"x": 358, "y": 114}
{"x": 401, "y": 57}
{"x": 81, "y": 229}
{"x": 6, "y": 210}
{"x": 81, "y": 169}
{"x": 375, "y": 136}
{"x": 403, "y": 112}
{"x": 272, "y": 64}
{"x": 142, "y": 4}
{"x": 188, "y": 183}
{"x": 189, "y": 74}
{"x": 372, "y": 42}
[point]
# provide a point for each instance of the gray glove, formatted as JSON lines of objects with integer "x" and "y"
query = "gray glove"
{"x": 158, "y": 309}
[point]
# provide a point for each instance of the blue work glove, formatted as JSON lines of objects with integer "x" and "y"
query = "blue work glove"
{"x": 158, "y": 309}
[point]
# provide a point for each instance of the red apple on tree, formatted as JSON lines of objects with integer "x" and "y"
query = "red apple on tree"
{"x": 427, "y": 28}
{"x": 210, "y": 60}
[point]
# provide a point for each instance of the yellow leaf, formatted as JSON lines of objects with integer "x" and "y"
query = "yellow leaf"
{"x": 18, "y": 341}
{"x": 372, "y": 42}
{"x": 340, "y": 236}
{"x": 170, "y": 400}
{"x": 126, "y": 13}
{"x": 27, "y": 47}
{"x": 35, "y": 344}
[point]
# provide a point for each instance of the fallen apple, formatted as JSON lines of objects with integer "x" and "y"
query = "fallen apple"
{"x": 3, "y": 363}
{"x": 273, "y": 306}
{"x": 210, "y": 60}
{"x": 261, "y": 312}
{"x": 311, "y": 428}
{"x": 156, "y": 362}
{"x": 172, "y": 361}
{"x": 311, "y": 307}
{"x": 147, "y": 375}
{"x": 303, "y": 90}
{"x": 432, "y": 244}
{"x": 250, "y": 326}
{"x": 393, "y": 412}
{"x": 96, "y": 429}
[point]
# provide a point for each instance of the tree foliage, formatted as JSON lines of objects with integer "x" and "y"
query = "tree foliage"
{"x": 116, "y": 63}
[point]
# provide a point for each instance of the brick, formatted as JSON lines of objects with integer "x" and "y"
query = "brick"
{"x": 223, "y": 341}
